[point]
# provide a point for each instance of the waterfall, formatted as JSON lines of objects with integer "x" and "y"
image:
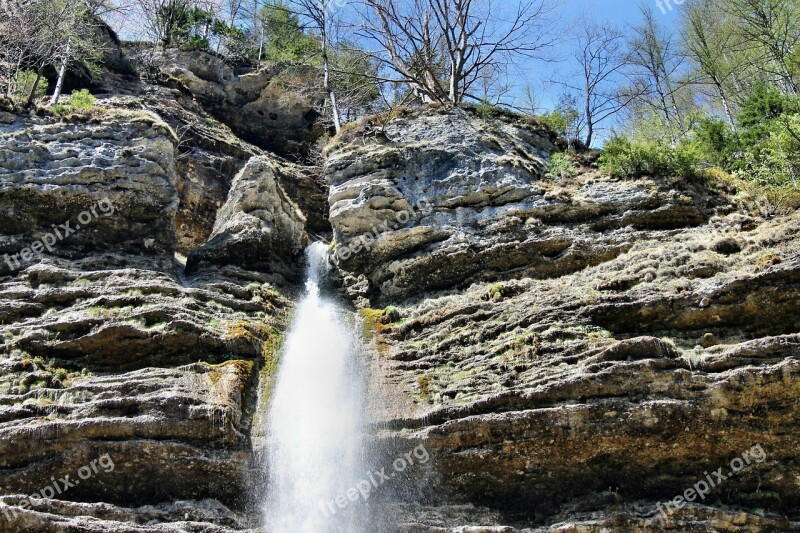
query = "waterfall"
{"x": 314, "y": 424}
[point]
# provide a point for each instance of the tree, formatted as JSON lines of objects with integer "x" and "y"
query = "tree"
{"x": 565, "y": 119}
{"x": 39, "y": 33}
{"x": 283, "y": 37}
{"x": 603, "y": 59}
{"x": 658, "y": 65}
{"x": 316, "y": 11}
{"x": 172, "y": 22}
{"x": 709, "y": 42}
{"x": 353, "y": 80}
{"x": 443, "y": 48}
{"x": 773, "y": 26}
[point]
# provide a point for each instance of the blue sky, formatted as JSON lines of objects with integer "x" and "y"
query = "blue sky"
{"x": 622, "y": 13}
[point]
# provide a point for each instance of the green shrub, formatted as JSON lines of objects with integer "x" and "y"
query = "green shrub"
{"x": 715, "y": 142}
{"x": 196, "y": 43}
{"x": 560, "y": 167}
{"x": 564, "y": 119}
{"x": 82, "y": 99}
{"x": 23, "y": 83}
{"x": 390, "y": 314}
{"x": 496, "y": 292}
{"x": 623, "y": 159}
{"x": 424, "y": 385}
{"x": 485, "y": 109}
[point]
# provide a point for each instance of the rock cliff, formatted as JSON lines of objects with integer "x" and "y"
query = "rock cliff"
{"x": 569, "y": 344}
{"x": 572, "y": 353}
{"x": 449, "y": 199}
{"x": 111, "y": 356}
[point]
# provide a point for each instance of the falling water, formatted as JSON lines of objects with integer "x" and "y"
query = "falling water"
{"x": 315, "y": 418}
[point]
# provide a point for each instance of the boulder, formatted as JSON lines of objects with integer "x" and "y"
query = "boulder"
{"x": 259, "y": 228}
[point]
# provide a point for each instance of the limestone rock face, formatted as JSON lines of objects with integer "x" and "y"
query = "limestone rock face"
{"x": 634, "y": 377}
{"x": 259, "y": 227}
{"x": 576, "y": 350}
{"x": 86, "y": 187}
{"x": 112, "y": 361}
{"x": 448, "y": 198}
{"x": 208, "y": 157}
{"x": 262, "y": 107}
{"x": 569, "y": 352}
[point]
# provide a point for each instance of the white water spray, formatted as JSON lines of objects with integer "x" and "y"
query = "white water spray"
{"x": 314, "y": 449}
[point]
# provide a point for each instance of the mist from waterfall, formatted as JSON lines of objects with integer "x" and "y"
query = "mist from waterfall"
{"x": 315, "y": 419}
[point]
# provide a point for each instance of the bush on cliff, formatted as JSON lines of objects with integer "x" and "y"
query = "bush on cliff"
{"x": 623, "y": 158}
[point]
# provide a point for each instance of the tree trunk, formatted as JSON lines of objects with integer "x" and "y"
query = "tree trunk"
{"x": 589, "y": 115}
{"x": 727, "y": 107}
{"x": 13, "y": 76}
{"x": 589, "y": 134}
{"x": 261, "y": 45}
{"x": 61, "y": 73}
{"x": 337, "y": 121}
{"x": 32, "y": 94}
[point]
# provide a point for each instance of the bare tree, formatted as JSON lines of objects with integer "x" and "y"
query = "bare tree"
{"x": 603, "y": 57}
{"x": 657, "y": 62}
{"x": 353, "y": 80}
{"x": 442, "y": 48}
{"x": 322, "y": 22}
{"x": 709, "y": 44}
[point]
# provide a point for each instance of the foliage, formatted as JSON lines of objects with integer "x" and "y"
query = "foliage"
{"x": 353, "y": 80}
{"x": 41, "y": 34}
{"x": 81, "y": 99}
{"x": 625, "y": 159}
{"x": 237, "y": 42}
{"x": 765, "y": 151}
{"x": 564, "y": 119}
{"x": 486, "y": 110}
{"x": 424, "y": 385}
{"x": 715, "y": 142}
{"x": 195, "y": 42}
{"x": 185, "y": 25}
{"x": 560, "y": 167}
{"x": 23, "y": 83}
{"x": 284, "y": 38}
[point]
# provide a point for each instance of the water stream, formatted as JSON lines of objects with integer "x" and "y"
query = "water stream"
{"x": 314, "y": 448}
